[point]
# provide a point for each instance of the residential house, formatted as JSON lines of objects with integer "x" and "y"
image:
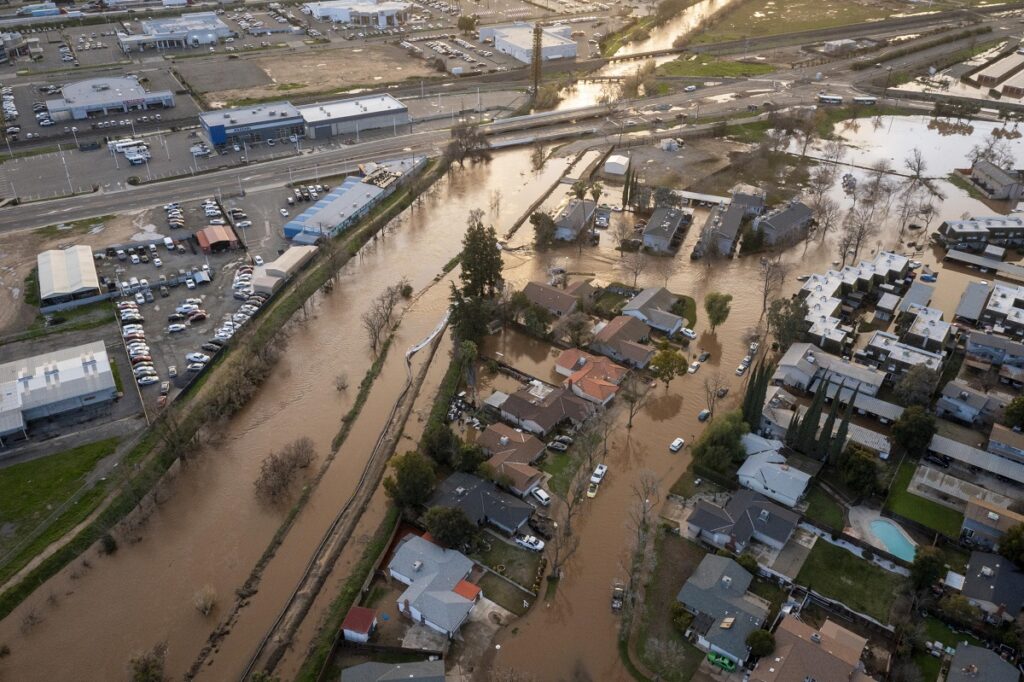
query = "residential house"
{"x": 962, "y": 403}
{"x": 803, "y": 366}
{"x": 996, "y": 182}
{"x": 974, "y": 232}
{"x": 885, "y": 309}
{"x": 591, "y": 377}
{"x": 994, "y": 585}
{"x": 623, "y": 339}
{"x": 1006, "y": 443}
{"x": 585, "y": 291}
{"x": 1004, "y": 311}
{"x": 653, "y": 306}
{"x": 556, "y": 301}
{"x": 985, "y": 350}
{"x": 411, "y": 671}
{"x": 972, "y": 302}
{"x": 512, "y": 452}
{"x": 927, "y": 330}
{"x": 919, "y": 293}
{"x": 765, "y": 471}
{"x": 539, "y": 408}
{"x": 863, "y": 404}
{"x": 974, "y": 663}
{"x": 665, "y": 229}
{"x": 359, "y": 624}
{"x": 722, "y": 227}
{"x": 747, "y": 516}
{"x": 437, "y": 593}
{"x": 724, "y": 613}
{"x": 573, "y": 218}
{"x": 886, "y": 352}
{"x": 985, "y": 523}
{"x": 786, "y": 225}
{"x": 988, "y": 462}
{"x": 482, "y": 502}
{"x": 829, "y": 654}
{"x": 1012, "y": 376}
{"x": 780, "y": 407}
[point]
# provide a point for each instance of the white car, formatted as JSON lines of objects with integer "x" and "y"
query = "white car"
{"x": 688, "y": 333}
{"x": 677, "y": 445}
{"x": 599, "y": 473}
{"x": 158, "y": 263}
{"x": 741, "y": 370}
{"x": 541, "y": 496}
{"x": 197, "y": 357}
{"x": 754, "y": 347}
{"x": 258, "y": 260}
{"x": 284, "y": 212}
{"x": 175, "y": 328}
{"x": 534, "y": 544}
{"x": 140, "y": 299}
{"x": 694, "y": 366}
{"x": 190, "y": 283}
{"x": 147, "y": 379}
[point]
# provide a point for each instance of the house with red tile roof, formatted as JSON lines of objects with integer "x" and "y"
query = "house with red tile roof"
{"x": 591, "y": 377}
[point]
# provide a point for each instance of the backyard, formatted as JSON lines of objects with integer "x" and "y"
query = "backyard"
{"x": 860, "y": 585}
{"x": 677, "y": 559}
{"x": 823, "y": 509}
{"x": 937, "y": 631}
{"x": 916, "y": 508}
{"x": 511, "y": 561}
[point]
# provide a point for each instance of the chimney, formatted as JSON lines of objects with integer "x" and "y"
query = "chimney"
{"x": 726, "y": 581}
{"x": 763, "y": 515}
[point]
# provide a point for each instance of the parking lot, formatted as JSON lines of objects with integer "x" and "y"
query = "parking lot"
{"x": 178, "y": 312}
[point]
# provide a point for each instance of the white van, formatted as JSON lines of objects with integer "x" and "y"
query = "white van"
{"x": 541, "y": 496}
{"x": 169, "y": 243}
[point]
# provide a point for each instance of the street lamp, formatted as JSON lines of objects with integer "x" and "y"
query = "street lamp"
{"x": 74, "y": 134}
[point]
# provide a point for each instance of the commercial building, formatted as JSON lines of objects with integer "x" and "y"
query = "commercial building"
{"x": 275, "y": 121}
{"x": 616, "y": 165}
{"x": 517, "y": 40}
{"x": 980, "y": 230}
{"x": 352, "y": 116}
{"x": 1014, "y": 86}
{"x": 187, "y": 30}
{"x": 53, "y": 383}
{"x": 378, "y": 14}
{"x": 216, "y": 238}
{"x": 346, "y": 204}
{"x": 106, "y": 95}
{"x": 66, "y": 275}
{"x": 999, "y": 70}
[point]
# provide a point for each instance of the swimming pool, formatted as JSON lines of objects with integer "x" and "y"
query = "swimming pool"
{"x": 896, "y": 543}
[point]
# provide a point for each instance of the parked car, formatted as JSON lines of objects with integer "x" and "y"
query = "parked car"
{"x": 530, "y": 542}
{"x": 688, "y": 333}
{"x": 694, "y": 366}
{"x": 564, "y": 439}
{"x": 677, "y": 445}
{"x": 175, "y": 328}
{"x": 741, "y": 370}
{"x": 541, "y": 496}
{"x": 599, "y": 473}
{"x": 557, "y": 446}
{"x": 165, "y": 388}
{"x": 704, "y": 357}
{"x": 723, "y": 662}
{"x": 197, "y": 357}
{"x": 147, "y": 380}
{"x": 704, "y": 415}
{"x": 592, "y": 490}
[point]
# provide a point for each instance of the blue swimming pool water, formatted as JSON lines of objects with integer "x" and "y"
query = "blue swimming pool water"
{"x": 895, "y": 542}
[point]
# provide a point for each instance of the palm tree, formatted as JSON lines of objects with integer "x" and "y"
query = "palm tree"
{"x": 579, "y": 189}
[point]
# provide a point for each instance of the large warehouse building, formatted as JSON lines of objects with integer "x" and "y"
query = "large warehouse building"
{"x": 105, "y": 95}
{"x": 517, "y": 40}
{"x": 350, "y": 116}
{"x": 318, "y": 121}
{"x": 186, "y": 30}
{"x": 53, "y": 383}
{"x": 360, "y": 13}
{"x": 66, "y": 275}
{"x": 353, "y": 199}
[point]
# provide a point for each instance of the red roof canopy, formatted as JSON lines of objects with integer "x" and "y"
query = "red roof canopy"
{"x": 359, "y": 619}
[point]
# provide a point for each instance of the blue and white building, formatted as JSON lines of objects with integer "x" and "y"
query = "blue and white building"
{"x": 257, "y": 123}
{"x": 360, "y": 12}
{"x": 517, "y": 40}
{"x": 106, "y": 95}
{"x": 188, "y": 30}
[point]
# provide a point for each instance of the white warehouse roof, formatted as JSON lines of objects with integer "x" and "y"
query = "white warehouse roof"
{"x": 343, "y": 109}
{"x": 66, "y": 272}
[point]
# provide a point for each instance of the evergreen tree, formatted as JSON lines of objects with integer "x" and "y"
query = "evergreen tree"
{"x": 792, "y": 430}
{"x": 805, "y": 437}
{"x": 825, "y": 437}
{"x": 836, "y": 448}
{"x": 757, "y": 390}
{"x": 481, "y": 259}
{"x": 625, "y": 187}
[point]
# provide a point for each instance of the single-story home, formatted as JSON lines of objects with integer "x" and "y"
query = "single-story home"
{"x": 765, "y": 471}
{"x": 573, "y": 218}
{"x": 482, "y": 502}
{"x": 974, "y": 663}
{"x": 554, "y": 300}
{"x": 539, "y": 408}
{"x": 512, "y": 452}
{"x": 623, "y": 339}
{"x": 653, "y": 306}
{"x": 985, "y": 523}
{"x": 747, "y": 516}
{"x": 994, "y": 585}
{"x": 411, "y": 671}
{"x": 591, "y": 377}
{"x": 829, "y": 654}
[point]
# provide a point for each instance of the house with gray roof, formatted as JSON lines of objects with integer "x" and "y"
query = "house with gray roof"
{"x": 803, "y": 365}
{"x": 653, "y": 306}
{"x": 556, "y": 301}
{"x": 539, "y": 407}
{"x": 971, "y": 456}
{"x": 994, "y": 585}
{"x": 573, "y": 218}
{"x": 961, "y": 402}
{"x": 766, "y": 471}
{"x": 973, "y": 663}
{"x": 724, "y": 612}
{"x": 438, "y": 594}
{"x": 747, "y": 516}
{"x": 991, "y": 349}
{"x": 972, "y": 302}
{"x": 413, "y": 671}
{"x": 996, "y": 182}
{"x": 664, "y": 228}
{"x": 786, "y": 225}
{"x": 482, "y": 502}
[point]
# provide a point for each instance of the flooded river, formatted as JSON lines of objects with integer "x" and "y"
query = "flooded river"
{"x": 661, "y": 38}
{"x": 212, "y": 530}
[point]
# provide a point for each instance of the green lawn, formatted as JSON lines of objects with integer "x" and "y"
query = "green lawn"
{"x": 686, "y": 307}
{"x": 704, "y": 66}
{"x": 862, "y": 586}
{"x": 562, "y": 466}
{"x": 520, "y": 564}
{"x": 916, "y": 508}
{"x": 505, "y": 594}
{"x": 684, "y": 485}
{"x": 29, "y": 491}
{"x": 936, "y": 630}
{"x": 758, "y": 18}
{"x": 770, "y": 592}
{"x": 608, "y": 304}
{"x": 822, "y": 508}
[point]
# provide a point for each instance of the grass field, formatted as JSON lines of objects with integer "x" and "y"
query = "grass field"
{"x": 677, "y": 559}
{"x": 505, "y": 594}
{"x": 686, "y": 308}
{"x": 520, "y": 564}
{"x": 862, "y": 586}
{"x": 822, "y": 508}
{"x": 562, "y": 467}
{"x": 916, "y": 508}
{"x": 685, "y": 485}
{"x": 759, "y": 18}
{"x": 701, "y": 66}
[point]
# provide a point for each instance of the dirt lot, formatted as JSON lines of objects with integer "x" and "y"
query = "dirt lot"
{"x": 328, "y": 70}
{"x": 685, "y": 166}
{"x": 207, "y": 75}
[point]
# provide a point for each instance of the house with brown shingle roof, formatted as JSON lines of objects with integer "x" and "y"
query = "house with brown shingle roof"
{"x": 591, "y": 377}
{"x": 554, "y": 300}
{"x": 540, "y": 407}
{"x": 623, "y": 339}
{"x": 512, "y": 452}
{"x": 829, "y": 654}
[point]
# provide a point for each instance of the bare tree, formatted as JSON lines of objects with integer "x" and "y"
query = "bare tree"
{"x": 834, "y": 151}
{"x": 773, "y": 275}
{"x": 623, "y": 232}
{"x": 820, "y": 182}
{"x": 279, "y": 468}
{"x": 380, "y": 318}
{"x": 826, "y": 215}
{"x": 205, "y": 599}
{"x": 634, "y": 264}
{"x": 664, "y": 268}
{"x": 712, "y": 385}
{"x": 565, "y": 542}
{"x": 641, "y": 524}
{"x": 634, "y": 393}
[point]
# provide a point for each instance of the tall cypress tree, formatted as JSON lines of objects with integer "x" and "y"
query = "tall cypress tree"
{"x": 792, "y": 429}
{"x": 825, "y": 437}
{"x": 836, "y": 448}
{"x": 757, "y": 391}
{"x": 805, "y": 437}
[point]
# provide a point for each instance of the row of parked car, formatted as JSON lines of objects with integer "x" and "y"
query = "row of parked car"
{"x": 134, "y": 337}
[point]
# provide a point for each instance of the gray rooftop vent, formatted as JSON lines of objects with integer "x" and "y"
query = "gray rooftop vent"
{"x": 726, "y": 581}
{"x": 417, "y": 565}
{"x": 816, "y": 638}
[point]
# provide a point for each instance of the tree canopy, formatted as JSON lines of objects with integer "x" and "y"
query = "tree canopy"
{"x": 481, "y": 259}
{"x": 916, "y": 386}
{"x": 761, "y": 643}
{"x": 667, "y": 364}
{"x": 543, "y": 230}
{"x": 717, "y": 306}
{"x": 412, "y": 482}
{"x": 859, "y": 471}
{"x": 787, "y": 321}
{"x": 1011, "y": 545}
{"x": 450, "y": 526}
{"x": 1014, "y": 414}
{"x": 914, "y": 429}
{"x": 721, "y": 446}
{"x": 927, "y": 568}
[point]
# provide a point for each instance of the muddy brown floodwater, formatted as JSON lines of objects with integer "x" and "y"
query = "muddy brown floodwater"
{"x": 211, "y": 530}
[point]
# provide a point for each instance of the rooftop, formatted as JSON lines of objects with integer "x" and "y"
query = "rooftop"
{"x": 994, "y": 579}
{"x": 259, "y": 113}
{"x": 67, "y": 271}
{"x": 351, "y": 108}
{"x": 102, "y": 91}
{"x": 193, "y": 22}
{"x": 973, "y": 663}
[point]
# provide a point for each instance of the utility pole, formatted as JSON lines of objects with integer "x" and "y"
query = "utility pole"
{"x": 535, "y": 62}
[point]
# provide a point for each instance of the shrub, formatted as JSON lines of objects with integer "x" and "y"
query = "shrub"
{"x": 205, "y": 599}
{"x": 108, "y": 545}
